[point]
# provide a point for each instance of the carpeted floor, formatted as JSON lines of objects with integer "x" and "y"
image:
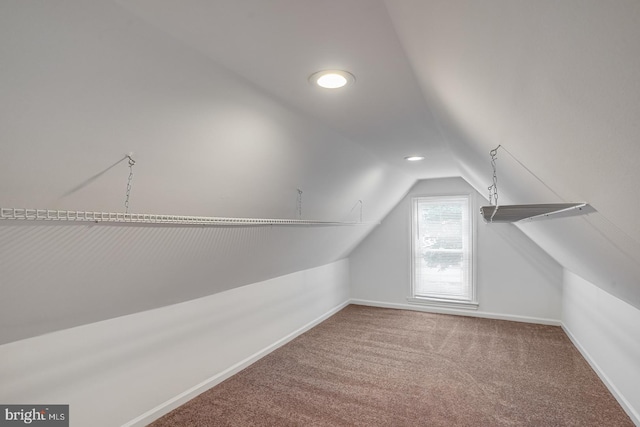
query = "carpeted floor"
{"x": 380, "y": 367}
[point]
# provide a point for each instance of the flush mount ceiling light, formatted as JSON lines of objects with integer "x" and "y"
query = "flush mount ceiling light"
{"x": 332, "y": 79}
{"x": 414, "y": 158}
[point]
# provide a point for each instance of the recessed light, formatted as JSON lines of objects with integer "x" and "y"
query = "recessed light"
{"x": 332, "y": 79}
{"x": 414, "y": 158}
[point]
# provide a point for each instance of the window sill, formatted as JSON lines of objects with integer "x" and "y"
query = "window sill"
{"x": 436, "y": 302}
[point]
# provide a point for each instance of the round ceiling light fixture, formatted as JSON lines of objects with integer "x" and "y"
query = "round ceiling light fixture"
{"x": 332, "y": 79}
{"x": 414, "y": 158}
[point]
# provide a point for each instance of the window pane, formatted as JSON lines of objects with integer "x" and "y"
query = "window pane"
{"x": 441, "y": 248}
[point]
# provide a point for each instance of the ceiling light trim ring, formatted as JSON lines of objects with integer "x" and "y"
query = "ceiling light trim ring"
{"x": 414, "y": 158}
{"x": 332, "y": 79}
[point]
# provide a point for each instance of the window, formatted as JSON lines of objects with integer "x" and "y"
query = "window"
{"x": 442, "y": 255}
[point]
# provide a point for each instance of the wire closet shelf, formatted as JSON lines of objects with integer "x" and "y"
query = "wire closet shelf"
{"x": 530, "y": 212}
{"x": 54, "y": 215}
{"x": 133, "y": 218}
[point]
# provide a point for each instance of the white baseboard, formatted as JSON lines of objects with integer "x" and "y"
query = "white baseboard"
{"x": 633, "y": 414}
{"x": 457, "y": 312}
{"x": 194, "y": 391}
{"x": 173, "y": 403}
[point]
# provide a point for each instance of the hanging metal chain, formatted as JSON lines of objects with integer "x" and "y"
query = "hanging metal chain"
{"x": 126, "y": 200}
{"x": 493, "y": 189}
{"x": 299, "y": 203}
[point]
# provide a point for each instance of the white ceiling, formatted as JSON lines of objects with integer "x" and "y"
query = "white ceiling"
{"x": 556, "y": 83}
{"x": 277, "y": 45}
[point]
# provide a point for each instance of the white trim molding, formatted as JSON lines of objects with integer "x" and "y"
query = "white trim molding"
{"x": 445, "y": 303}
{"x": 624, "y": 403}
{"x": 605, "y": 330}
{"x": 469, "y": 247}
{"x": 457, "y": 312}
{"x": 173, "y": 403}
{"x": 214, "y": 337}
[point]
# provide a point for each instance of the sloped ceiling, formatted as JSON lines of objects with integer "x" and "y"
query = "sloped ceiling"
{"x": 556, "y": 83}
{"x": 277, "y": 45}
{"x": 213, "y": 99}
{"x": 84, "y": 83}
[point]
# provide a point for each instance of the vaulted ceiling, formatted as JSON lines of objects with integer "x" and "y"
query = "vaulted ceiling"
{"x": 278, "y": 45}
{"x": 556, "y": 83}
{"x": 213, "y": 98}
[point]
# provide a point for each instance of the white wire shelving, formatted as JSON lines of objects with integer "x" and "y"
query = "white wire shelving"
{"x": 25, "y": 214}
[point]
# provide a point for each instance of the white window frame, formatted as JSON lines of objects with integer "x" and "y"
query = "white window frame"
{"x": 472, "y": 302}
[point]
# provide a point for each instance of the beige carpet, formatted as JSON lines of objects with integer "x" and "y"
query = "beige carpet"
{"x": 379, "y": 367}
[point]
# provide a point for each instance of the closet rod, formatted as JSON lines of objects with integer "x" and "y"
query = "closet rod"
{"x": 130, "y": 218}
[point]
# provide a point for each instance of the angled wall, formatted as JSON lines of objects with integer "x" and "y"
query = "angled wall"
{"x": 607, "y": 332}
{"x": 555, "y": 84}
{"x": 132, "y": 369}
{"x": 83, "y": 84}
{"x": 56, "y": 276}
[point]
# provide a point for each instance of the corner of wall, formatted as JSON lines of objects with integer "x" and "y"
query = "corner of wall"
{"x": 515, "y": 277}
{"x": 605, "y": 330}
{"x": 132, "y": 369}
